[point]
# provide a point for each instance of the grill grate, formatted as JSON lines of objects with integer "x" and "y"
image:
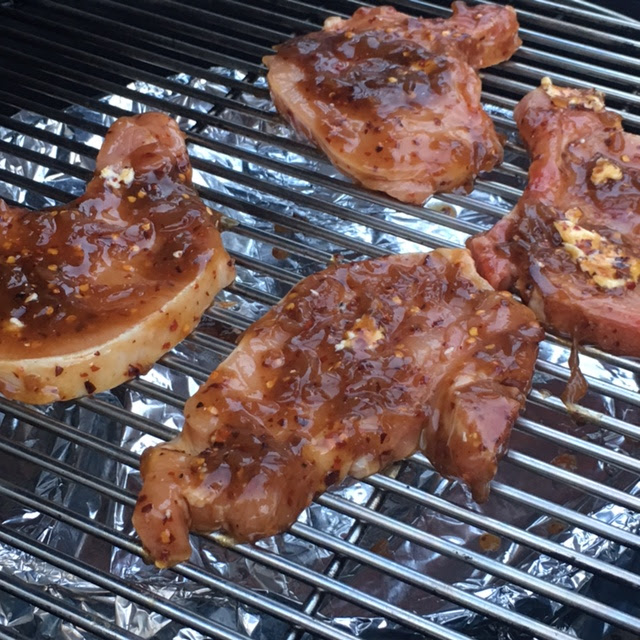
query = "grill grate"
{"x": 57, "y": 60}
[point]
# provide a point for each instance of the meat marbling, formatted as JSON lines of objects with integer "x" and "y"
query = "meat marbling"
{"x": 571, "y": 246}
{"x": 95, "y": 291}
{"x": 358, "y": 366}
{"x": 394, "y": 101}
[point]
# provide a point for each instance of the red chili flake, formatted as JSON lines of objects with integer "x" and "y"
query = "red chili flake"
{"x": 89, "y": 386}
{"x": 59, "y": 370}
{"x": 331, "y": 477}
{"x": 133, "y": 371}
{"x": 174, "y": 326}
{"x": 94, "y": 368}
{"x": 147, "y": 508}
{"x": 166, "y": 345}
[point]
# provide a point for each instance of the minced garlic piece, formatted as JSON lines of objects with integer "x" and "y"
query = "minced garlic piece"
{"x": 592, "y": 100}
{"x": 365, "y": 329}
{"x": 115, "y": 180}
{"x": 605, "y": 170}
{"x": 573, "y": 215}
{"x": 333, "y": 22}
{"x": 603, "y": 260}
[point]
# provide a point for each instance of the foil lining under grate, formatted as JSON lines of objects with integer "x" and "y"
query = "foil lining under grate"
{"x": 404, "y": 554}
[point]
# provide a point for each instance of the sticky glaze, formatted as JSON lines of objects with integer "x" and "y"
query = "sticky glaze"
{"x": 394, "y": 101}
{"x": 571, "y": 245}
{"x": 92, "y": 293}
{"x": 358, "y": 366}
{"x": 88, "y": 269}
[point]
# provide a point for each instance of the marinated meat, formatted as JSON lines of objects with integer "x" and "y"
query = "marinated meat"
{"x": 94, "y": 292}
{"x": 571, "y": 246}
{"x": 358, "y": 366}
{"x": 394, "y": 101}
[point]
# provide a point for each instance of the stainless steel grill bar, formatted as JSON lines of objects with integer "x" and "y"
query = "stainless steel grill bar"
{"x": 504, "y": 491}
{"x": 34, "y": 412}
{"x": 125, "y": 542}
{"x": 252, "y": 294}
{"x": 483, "y": 563}
{"x": 245, "y": 35}
{"x": 327, "y": 541}
{"x": 282, "y": 565}
{"x": 176, "y": 25}
{"x": 606, "y": 388}
{"x": 580, "y": 32}
{"x": 486, "y": 523}
{"x": 36, "y": 418}
{"x": 8, "y": 634}
{"x": 115, "y": 585}
{"x": 529, "y": 71}
{"x": 146, "y": 423}
{"x": 575, "y": 480}
{"x": 548, "y": 547}
{"x": 597, "y": 18}
{"x": 588, "y": 415}
{"x": 154, "y": 39}
{"x": 415, "y": 578}
{"x": 81, "y": 619}
{"x": 268, "y": 36}
{"x": 208, "y": 143}
{"x": 559, "y": 512}
{"x": 576, "y": 444}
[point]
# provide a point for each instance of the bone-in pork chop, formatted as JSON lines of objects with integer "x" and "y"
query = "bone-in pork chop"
{"x": 358, "y": 366}
{"x": 95, "y": 291}
{"x": 571, "y": 246}
{"x": 394, "y": 101}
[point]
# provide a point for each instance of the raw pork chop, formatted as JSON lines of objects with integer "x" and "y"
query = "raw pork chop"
{"x": 394, "y": 101}
{"x": 357, "y": 367}
{"x": 571, "y": 246}
{"x": 95, "y": 291}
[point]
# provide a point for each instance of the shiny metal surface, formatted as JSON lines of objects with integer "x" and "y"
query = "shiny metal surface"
{"x": 565, "y": 508}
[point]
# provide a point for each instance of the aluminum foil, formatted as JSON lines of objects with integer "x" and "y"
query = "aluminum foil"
{"x": 227, "y": 562}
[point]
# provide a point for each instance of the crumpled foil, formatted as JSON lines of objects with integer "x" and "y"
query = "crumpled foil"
{"x": 228, "y": 563}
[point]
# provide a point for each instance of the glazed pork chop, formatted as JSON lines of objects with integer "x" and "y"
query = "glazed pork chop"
{"x": 394, "y": 101}
{"x": 94, "y": 292}
{"x": 358, "y": 366}
{"x": 571, "y": 246}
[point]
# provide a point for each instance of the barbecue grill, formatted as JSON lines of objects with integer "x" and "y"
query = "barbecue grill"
{"x": 402, "y": 555}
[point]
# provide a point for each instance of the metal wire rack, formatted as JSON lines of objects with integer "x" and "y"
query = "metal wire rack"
{"x": 69, "y": 53}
